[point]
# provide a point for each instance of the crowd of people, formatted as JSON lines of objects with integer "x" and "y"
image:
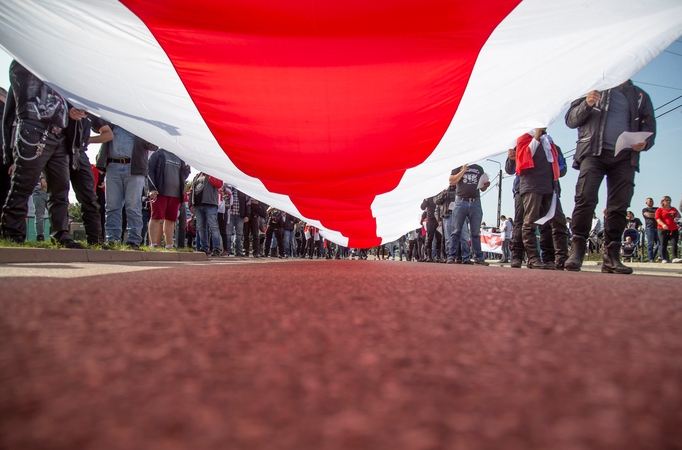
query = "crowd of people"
{"x": 138, "y": 194}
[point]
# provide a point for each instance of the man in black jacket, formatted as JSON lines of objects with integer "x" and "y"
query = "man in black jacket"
{"x": 34, "y": 140}
{"x": 601, "y": 117}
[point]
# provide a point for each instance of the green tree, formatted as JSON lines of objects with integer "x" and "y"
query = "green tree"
{"x": 76, "y": 212}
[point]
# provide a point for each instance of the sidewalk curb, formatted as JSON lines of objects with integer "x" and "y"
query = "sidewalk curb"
{"x": 47, "y": 255}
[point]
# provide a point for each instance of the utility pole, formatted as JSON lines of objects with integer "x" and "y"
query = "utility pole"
{"x": 499, "y": 192}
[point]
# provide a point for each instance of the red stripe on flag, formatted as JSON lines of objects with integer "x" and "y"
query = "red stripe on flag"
{"x": 327, "y": 102}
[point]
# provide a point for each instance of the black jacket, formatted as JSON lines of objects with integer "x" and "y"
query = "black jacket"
{"x": 590, "y": 121}
{"x": 290, "y": 222}
{"x": 157, "y": 162}
{"x": 429, "y": 206}
{"x": 139, "y": 161}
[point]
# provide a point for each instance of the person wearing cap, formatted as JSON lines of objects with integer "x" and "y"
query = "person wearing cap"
{"x": 34, "y": 142}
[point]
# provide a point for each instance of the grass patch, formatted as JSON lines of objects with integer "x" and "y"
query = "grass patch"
{"x": 112, "y": 246}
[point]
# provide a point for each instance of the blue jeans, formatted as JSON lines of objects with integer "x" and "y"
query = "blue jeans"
{"x": 235, "y": 226}
{"x": 207, "y": 219}
{"x": 123, "y": 188}
{"x": 289, "y": 238}
{"x": 463, "y": 239}
{"x": 472, "y": 211}
{"x": 652, "y": 243}
{"x": 40, "y": 203}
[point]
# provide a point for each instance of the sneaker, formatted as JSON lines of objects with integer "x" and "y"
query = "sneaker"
{"x": 468, "y": 262}
{"x": 132, "y": 246}
{"x": 224, "y": 254}
{"x": 215, "y": 253}
{"x": 480, "y": 262}
{"x": 665, "y": 261}
{"x": 516, "y": 263}
{"x": 40, "y": 238}
{"x": 449, "y": 261}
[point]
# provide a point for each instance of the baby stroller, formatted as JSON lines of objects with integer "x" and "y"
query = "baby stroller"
{"x": 631, "y": 250}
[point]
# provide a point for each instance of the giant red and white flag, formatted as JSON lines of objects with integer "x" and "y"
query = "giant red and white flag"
{"x": 345, "y": 113}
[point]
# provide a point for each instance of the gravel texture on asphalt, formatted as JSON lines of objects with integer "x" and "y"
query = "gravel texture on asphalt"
{"x": 341, "y": 355}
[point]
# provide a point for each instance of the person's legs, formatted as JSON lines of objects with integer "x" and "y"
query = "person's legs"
{"x": 268, "y": 240}
{"x": 155, "y": 232}
{"x": 115, "y": 194}
{"x": 534, "y": 207}
{"x": 592, "y": 172}
{"x": 674, "y": 238}
{"x": 651, "y": 241}
{"x": 475, "y": 217}
{"x": 57, "y": 177}
{"x": 663, "y": 238}
{"x": 517, "y": 233}
{"x": 280, "y": 242}
{"x": 83, "y": 184}
{"x": 168, "y": 232}
{"x": 181, "y": 228}
{"x": 40, "y": 203}
{"x": 459, "y": 215}
{"x": 222, "y": 227}
{"x": 202, "y": 228}
{"x": 560, "y": 236}
{"x": 620, "y": 184}
{"x": 133, "y": 204}
{"x": 212, "y": 223}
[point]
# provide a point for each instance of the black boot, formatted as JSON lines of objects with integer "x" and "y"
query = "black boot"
{"x": 575, "y": 261}
{"x": 611, "y": 260}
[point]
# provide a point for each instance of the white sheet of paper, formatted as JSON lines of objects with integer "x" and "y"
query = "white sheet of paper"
{"x": 550, "y": 213}
{"x": 629, "y": 138}
{"x": 483, "y": 180}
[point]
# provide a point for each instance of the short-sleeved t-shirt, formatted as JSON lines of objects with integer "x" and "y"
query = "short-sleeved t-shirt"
{"x": 634, "y": 223}
{"x": 468, "y": 185}
{"x": 650, "y": 223}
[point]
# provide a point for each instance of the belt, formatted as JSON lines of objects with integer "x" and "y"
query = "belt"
{"x": 469, "y": 199}
{"x": 119, "y": 160}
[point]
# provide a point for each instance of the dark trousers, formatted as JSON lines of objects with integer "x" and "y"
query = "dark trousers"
{"x": 554, "y": 237}
{"x": 5, "y": 181}
{"x": 251, "y": 230}
{"x": 83, "y": 183}
{"x": 101, "y": 201}
{"x": 222, "y": 227}
{"x": 181, "y": 227}
{"x": 535, "y": 206}
{"x": 620, "y": 182}
{"x": 431, "y": 232}
{"x": 54, "y": 161}
{"x": 268, "y": 240}
{"x": 517, "y": 240}
{"x": 665, "y": 237}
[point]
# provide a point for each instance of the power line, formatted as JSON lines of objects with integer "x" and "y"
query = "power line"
{"x": 657, "y": 85}
{"x": 671, "y": 110}
{"x": 668, "y": 51}
{"x": 668, "y": 103}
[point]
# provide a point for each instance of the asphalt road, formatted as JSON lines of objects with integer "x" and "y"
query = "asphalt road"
{"x": 337, "y": 355}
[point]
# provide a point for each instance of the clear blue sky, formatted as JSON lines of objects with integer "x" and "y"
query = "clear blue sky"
{"x": 660, "y": 168}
